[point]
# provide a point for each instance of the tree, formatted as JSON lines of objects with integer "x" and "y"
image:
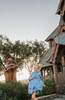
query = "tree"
{"x": 4, "y": 45}
{"x": 38, "y": 50}
{"x": 29, "y": 64}
{"x": 23, "y": 53}
{"x": 1, "y": 65}
{"x": 6, "y": 48}
{"x": 18, "y": 51}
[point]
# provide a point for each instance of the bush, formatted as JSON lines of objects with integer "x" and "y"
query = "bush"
{"x": 19, "y": 91}
{"x": 3, "y": 96}
{"x": 50, "y": 87}
{"x": 15, "y": 90}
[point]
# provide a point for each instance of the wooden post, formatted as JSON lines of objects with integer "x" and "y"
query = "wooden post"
{"x": 64, "y": 79}
{"x": 64, "y": 75}
{"x": 50, "y": 44}
{"x": 44, "y": 72}
{"x": 56, "y": 77}
{"x": 63, "y": 64}
{"x": 63, "y": 61}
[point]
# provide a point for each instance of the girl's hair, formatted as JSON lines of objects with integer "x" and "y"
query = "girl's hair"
{"x": 35, "y": 65}
{"x": 39, "y": 66}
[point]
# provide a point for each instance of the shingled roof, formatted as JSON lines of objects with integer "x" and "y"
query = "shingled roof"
{"x": 46, "y": 60}
{"x": 61, "y": 7}
{"x": 53, "y": 34}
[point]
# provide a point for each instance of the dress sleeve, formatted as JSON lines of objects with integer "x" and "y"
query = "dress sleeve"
{"x": 30, "y": 77}
{"x": 41, "y": 78}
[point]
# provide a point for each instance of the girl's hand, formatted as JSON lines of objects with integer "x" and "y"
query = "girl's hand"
{"x": 31, "y": 78}
{"x": 44, "y": 85}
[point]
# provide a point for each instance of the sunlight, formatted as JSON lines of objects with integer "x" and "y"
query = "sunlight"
{"x": 21, "y": 75}
{"x": 2, "y": 78}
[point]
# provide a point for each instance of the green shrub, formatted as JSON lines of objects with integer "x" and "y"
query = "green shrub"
{"x": 19, "y": 91}
{"x": 15, "y": 90}
{"x": 3, "y": 96}
{"x": 50, "y": 87}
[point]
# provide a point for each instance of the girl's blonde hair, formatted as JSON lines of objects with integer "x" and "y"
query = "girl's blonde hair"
{"x": 39, "y": 66}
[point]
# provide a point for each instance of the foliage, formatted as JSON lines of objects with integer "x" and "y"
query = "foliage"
{"x": 1, "y": 65}
{"x": 38, "y": 50}
{"x": 5, "y": 49}
{"x": 21, "y": 52}
{"x": 50, "y": 87}
{"x": 19, "y": 91}
{"x": 3, "y": 96}
{"x": 14, "y": 90}
{"x": 18, "y": 51}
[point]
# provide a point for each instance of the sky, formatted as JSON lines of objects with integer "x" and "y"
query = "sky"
{"x": 28, "y": 19}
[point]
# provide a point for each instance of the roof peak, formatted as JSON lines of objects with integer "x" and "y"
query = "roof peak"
{"x": 61, "y": 7}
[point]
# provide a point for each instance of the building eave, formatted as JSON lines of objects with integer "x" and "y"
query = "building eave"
{"x": 53, "y": 34}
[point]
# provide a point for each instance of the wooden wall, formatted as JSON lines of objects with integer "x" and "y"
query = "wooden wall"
{"x": 61, "y": 83}
{"x": 59, "y": 79}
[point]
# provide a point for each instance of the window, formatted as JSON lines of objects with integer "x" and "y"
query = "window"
{"x": 49, "y": 72}
{"x": 60, "y": 68}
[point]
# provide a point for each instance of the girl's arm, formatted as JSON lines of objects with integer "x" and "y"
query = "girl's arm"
{"x": 30, "y": 77}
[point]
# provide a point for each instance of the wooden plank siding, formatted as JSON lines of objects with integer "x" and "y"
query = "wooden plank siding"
{"x": 61, "y": 83}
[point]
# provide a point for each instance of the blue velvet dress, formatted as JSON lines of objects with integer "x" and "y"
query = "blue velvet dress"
{"x": 36, "y": 83}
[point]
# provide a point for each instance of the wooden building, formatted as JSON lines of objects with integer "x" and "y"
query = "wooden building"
{"x": 53, "y": 62}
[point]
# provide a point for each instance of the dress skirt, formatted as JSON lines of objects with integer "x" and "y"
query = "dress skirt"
{"x": 35, "y": 84}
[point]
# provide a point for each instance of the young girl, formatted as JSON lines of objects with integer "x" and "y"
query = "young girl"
{"x": 36, "y": 82}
